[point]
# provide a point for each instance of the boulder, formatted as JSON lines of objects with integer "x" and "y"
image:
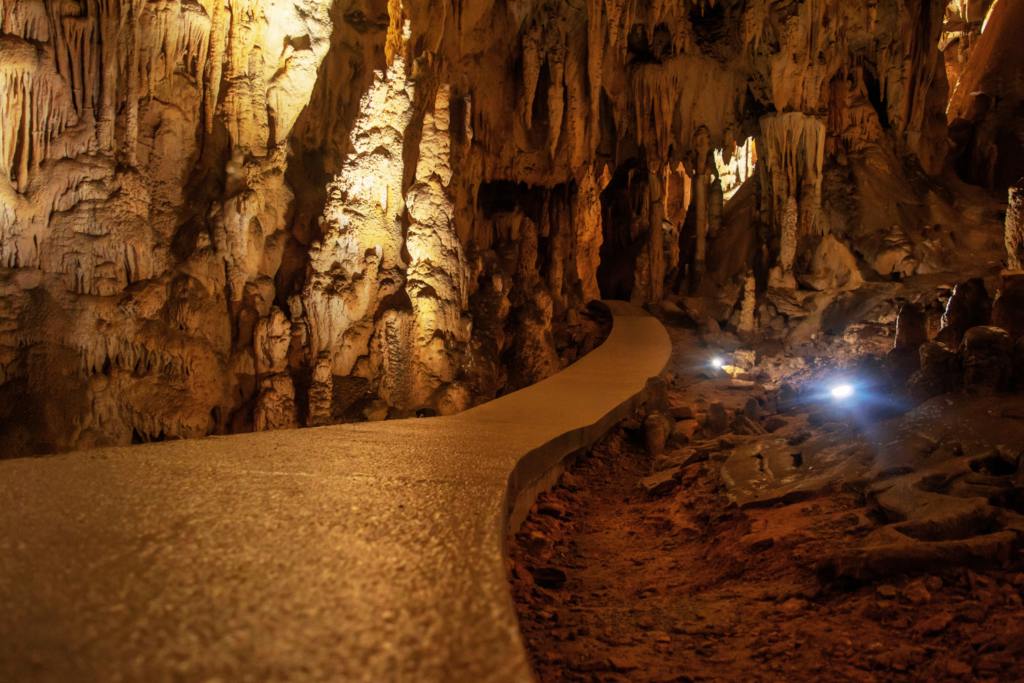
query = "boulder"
{"x": 911, "y": 327}
{"x": 683, "y": 411}
{"x": 376, "y": 411}
{"x": 717, "y": 420}
{"x": 911, "y": 332}
{"x": 987, "y": 357}
{"x": 685, "y": 429}
{"x": 661, "y": 483}
{"x": 752, "y": 410}
{"x": 788, "y": 398}
{"x": 970, "y": 306}
{"x": 832, "y": 267}
{"x": 1008, "y": 309}
{"x": 939, "y": 373}
{"x": 657, "y": 396}
{"x": 657, "y": 429}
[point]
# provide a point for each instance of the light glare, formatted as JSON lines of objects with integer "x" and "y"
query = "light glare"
{"x": 718, "y": 362}
{"x": 842, "y": 391}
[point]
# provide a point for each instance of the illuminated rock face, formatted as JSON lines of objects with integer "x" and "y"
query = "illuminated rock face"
{"x": 144, "y": 211}
{"x": 219, "y": 216}
{"x": 986, "y": 77}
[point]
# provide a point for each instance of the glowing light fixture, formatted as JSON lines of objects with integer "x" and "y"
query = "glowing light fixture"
{"x": 842, "y": 391}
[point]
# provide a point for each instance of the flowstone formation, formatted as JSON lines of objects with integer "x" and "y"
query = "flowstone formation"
{"x": 143, "y": 209}
{"x": 218, "y": 217}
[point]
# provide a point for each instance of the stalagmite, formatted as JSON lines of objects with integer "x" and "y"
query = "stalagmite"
{"x": 215, "y": 63}
{"x": 589, "y": 235}
{"x": 436, "y": 280}
{"x": 273, "y": 335}
{"x": 716, "y": 205}
{"x": 358, "y": 261}
{"x": 321, "y": 392}
{"x": 748, "y": 324}
{"x": 275, "y": 407}
{"x": 782, "y": 274}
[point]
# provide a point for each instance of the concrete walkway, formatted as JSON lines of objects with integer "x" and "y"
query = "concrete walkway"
{"x": 369, "y": 552}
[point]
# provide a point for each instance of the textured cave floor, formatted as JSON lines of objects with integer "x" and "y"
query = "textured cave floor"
{"x": 613, "y": 585}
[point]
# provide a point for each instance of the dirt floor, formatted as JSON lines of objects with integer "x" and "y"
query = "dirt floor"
{"x": 613, "y": 583}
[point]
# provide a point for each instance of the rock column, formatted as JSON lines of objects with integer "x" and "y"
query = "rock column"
{"x": 656, "y": 240}
{"x": 701, "y": 145}
{"x": 1015, "y": 227}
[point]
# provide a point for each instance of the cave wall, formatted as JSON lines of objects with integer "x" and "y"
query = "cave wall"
{"x": 226, "y": 215}
{"x": 986, "y": 108}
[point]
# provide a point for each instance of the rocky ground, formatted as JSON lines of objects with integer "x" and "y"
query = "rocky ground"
{"x": 777, "y": 536}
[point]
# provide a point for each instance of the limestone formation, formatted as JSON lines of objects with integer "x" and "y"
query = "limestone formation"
{"x": 224, "y": 216}
{"x": 1015, "y": 227}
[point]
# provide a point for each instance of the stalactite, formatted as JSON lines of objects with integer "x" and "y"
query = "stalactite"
{"x": 596, "y": 34}
{"x": 215, "y": 64}
{"x": 25, "y": 19}
{"x": 35, "y": 108}
{"x": 792, "y": 147}
{"x": 131, "y": 125}
{"x": 110, "y": 27}
{"x": 532, "y": 63}
{"x": 195, "y": 37}
{"x": 556, "y": 97}
{"x": 680, "y": 96}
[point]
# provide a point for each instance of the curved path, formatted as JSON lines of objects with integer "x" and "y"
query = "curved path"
{"x": 369, "y": 552}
